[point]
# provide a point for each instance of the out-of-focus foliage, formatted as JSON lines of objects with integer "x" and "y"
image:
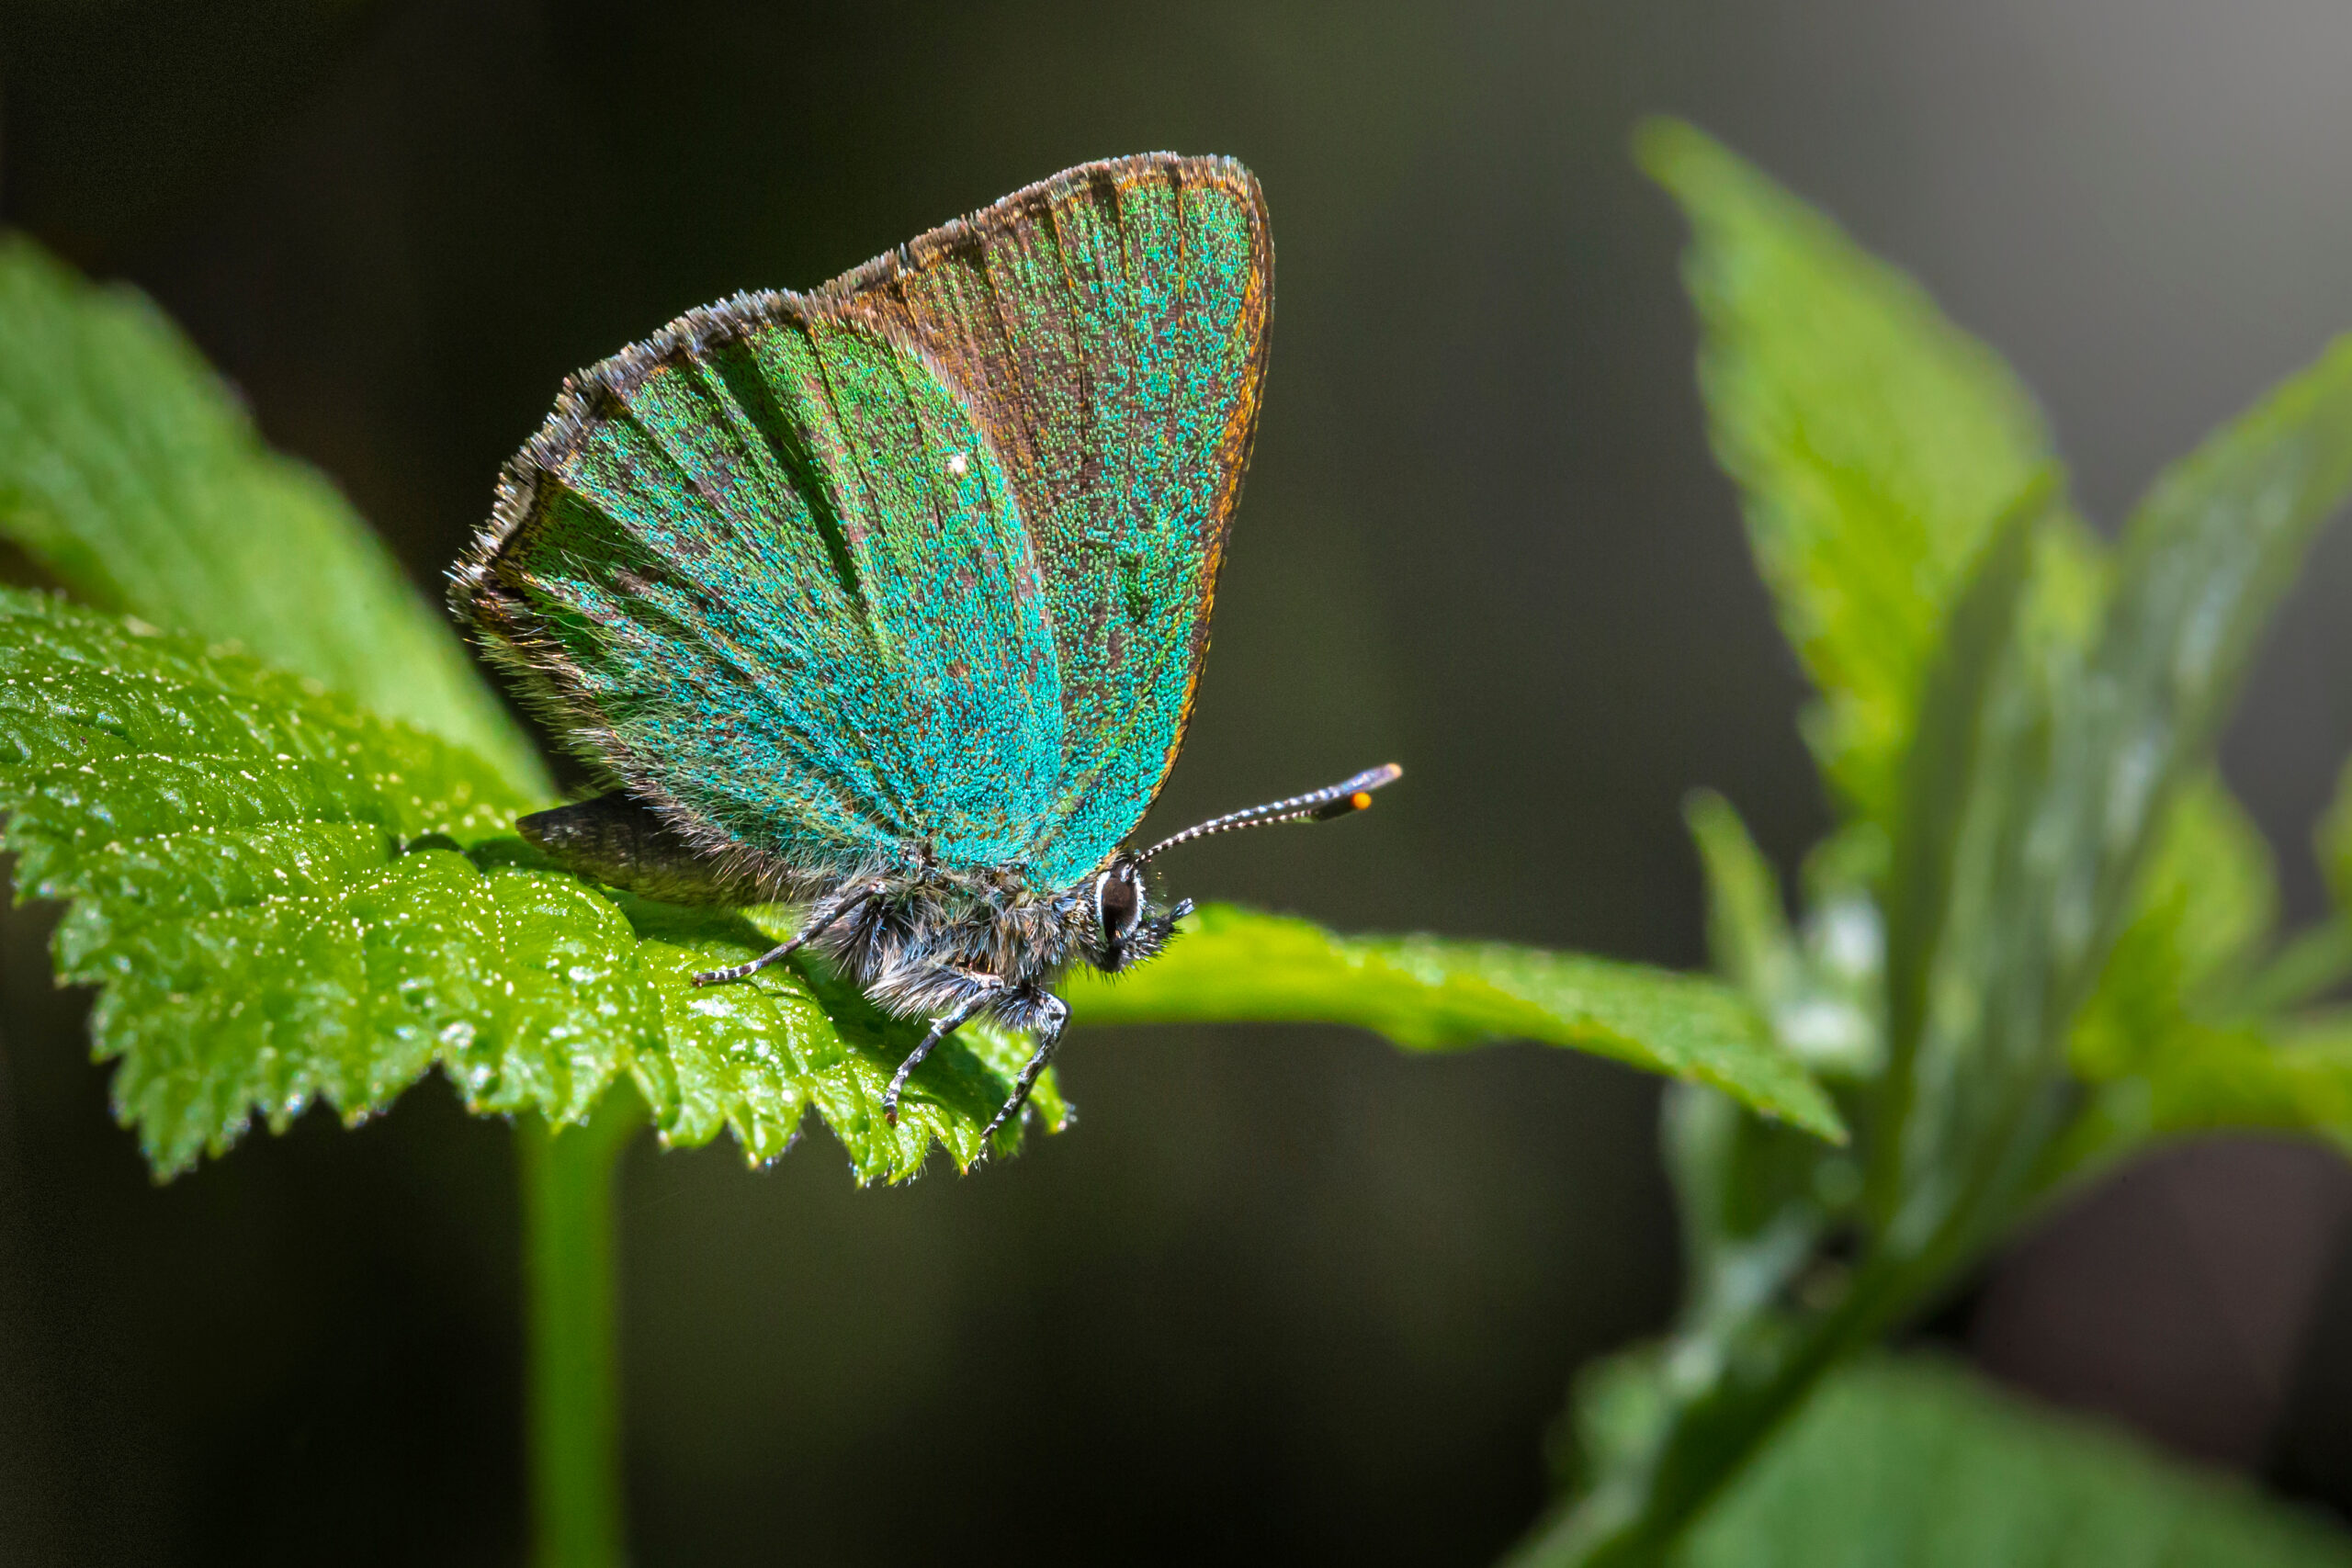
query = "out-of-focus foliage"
{"x": 1915, "y": 1464}
{"x": 2038, "y": 883}
{"x": 1865, "y": 511}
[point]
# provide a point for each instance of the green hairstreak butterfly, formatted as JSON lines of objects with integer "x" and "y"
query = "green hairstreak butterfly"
{"x": 889, "y": 598}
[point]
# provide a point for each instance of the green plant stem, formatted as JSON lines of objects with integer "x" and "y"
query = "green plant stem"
{"x": 574, "y": 1372}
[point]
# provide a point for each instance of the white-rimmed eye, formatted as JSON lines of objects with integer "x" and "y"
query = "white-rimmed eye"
{"x": 1118, "y": 902}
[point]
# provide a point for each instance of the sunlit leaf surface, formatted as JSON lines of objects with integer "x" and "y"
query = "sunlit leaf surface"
{"x": 1430, "y": 994}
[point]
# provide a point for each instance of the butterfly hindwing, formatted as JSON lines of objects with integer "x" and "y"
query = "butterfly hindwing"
{"x": 765, "y": 571}
{"x": 1109, "y": 328}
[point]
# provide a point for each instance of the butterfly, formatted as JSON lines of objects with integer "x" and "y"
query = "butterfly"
{"x": 888, "y": 600}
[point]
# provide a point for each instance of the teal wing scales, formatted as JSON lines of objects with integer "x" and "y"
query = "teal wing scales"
{"x": 1109, "y": 328}
{"x": 764, "y": 571}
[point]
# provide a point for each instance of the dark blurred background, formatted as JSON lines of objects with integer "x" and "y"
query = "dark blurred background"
{"x": 1284, "y": 1294}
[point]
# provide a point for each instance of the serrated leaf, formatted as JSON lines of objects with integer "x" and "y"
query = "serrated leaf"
{"x": 1428, "y": 994}
{"x": 1917, "y": 1464}
{"x": 753, "y": 1057}
{"x": 1875, "y": 443}
{"x": 130, "y": 472}
{"x": 285, "y": 900}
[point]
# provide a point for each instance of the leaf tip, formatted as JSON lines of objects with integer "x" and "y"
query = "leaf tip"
{"x": 1666, "y": 146}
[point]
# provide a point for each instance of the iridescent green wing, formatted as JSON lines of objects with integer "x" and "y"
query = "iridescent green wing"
{"x": 766, "y": 572}
{"x": 1108, "y": 327}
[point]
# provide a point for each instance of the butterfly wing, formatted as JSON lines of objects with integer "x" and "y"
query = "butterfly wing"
{"x": 767, "y": 572}
{"x": 1108, "y": 328}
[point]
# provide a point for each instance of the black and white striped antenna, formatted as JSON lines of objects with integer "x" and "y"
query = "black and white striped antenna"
{"x": 1316, "y": 806}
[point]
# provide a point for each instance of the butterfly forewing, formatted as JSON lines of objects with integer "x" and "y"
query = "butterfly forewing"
{"x": 1109, "y": 326}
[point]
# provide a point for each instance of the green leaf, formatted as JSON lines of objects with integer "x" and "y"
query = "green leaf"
{"x": 287, "y": 901}
{"x": 1748, "y": 925}
{"x": 133, "y": 476}
{"x": 2205, "y": 910}
{"x": 1915, "y": 1464}
{"x": 2335, "y": 844}
{"x": 1817, "y": 989}
{"x": 2178, "y": 1039}
{"x": 2290, "y": 1075}
{"x": 2056, "y": 822}
{"x": 1427, "y": 993}
{"x": 2070, "y": 700}
{"x": 1875, "y": 443}
{"x": 1966, "y": 797}
{"x": 752, "y": 1058}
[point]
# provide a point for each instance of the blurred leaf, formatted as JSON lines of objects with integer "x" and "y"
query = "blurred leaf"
{"x": 1874, "y": 442}
{"x": 1755, "y": 1199}
{"x": 286, "y": 899}
{"x": 130, "y": 472}
{"x": 2063, "y": 707}
{"x": 1739, "y": 1360}
{"x": 2289, "y": 1076}
{"x": 2206, "y": 907}
{"x": 1815, "y": 992}
{"x": 2166, "y": 1040}
{"x": 1914, "y": 1464}
{"x": 2309, "y": 967}
{"x": 1756, "y": 1202}
{"x": 1966, "y": 797}
{"x": 2335, "y": 844}
{"x": 2048, "y": 851}
{"x": 1426, "y": 994}
{"x": 1748, "y": 924}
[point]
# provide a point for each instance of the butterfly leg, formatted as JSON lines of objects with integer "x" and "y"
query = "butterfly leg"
{"x": 1052, "y": 1013}
{"x": 820, "y": 920}
{"x": 984, "y": 992}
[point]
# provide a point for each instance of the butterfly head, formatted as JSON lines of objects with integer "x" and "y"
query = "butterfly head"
{"x": 1128, "y": 928}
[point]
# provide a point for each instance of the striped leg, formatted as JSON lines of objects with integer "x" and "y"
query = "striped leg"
{"x": 1055, "y": 1013}
{"x": 820, "y": 920}
{"x": 948, "y": 1023}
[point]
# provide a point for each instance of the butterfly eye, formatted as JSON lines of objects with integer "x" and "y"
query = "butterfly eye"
{"x": 1118, "y": 901}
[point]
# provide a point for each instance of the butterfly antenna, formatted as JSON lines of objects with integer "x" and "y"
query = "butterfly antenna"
{"x": 1316, "y": 806}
